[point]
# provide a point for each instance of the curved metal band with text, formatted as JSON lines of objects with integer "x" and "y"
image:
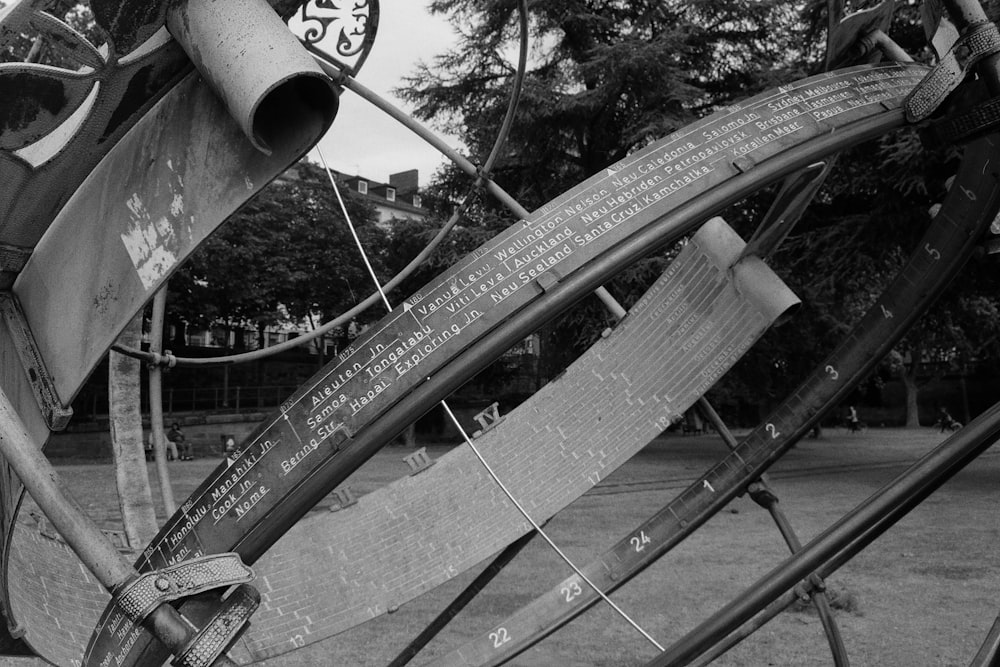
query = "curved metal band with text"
{"x": 538, "y": 266}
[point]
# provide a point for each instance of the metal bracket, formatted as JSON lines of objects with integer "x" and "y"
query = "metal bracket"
{"x": 229, "y": 622}
{"x": 547, "y": 280}
{"x": 164, "y": 361}
{"x": 12, "y": 260}
{"x": 56, "y": 415}
{"x": 761, "y": 494}
{"x": 847, "y": 31}
{"x": 979, "y": 41}
{"x": 147, "y": 591}
{"x": 795, "y": 195}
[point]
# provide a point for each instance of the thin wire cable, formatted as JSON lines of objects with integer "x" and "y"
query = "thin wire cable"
{"x": 534, "y": 524}
{"x": 503, "y": 487}
{"x": 354, "y": 233}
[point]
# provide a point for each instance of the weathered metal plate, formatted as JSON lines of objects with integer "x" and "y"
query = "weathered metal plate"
{"x": 170, "y": 182}
{"x": 122, "y": 81}
{"x": 300, "y": 447}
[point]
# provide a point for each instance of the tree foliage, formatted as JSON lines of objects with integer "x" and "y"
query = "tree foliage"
{"x": 607, "y": 77}
{"x": 286, "y": 256}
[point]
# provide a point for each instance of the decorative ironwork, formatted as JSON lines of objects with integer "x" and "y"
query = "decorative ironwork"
{"x": 351, "y": 24}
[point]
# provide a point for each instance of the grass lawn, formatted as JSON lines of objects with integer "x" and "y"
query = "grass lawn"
{"x": 923, "y": 594}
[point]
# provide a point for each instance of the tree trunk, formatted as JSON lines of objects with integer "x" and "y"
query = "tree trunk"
{"x": 134, "y": 495}
{"x": 909, "y": 378}
{"x": 156, "y": 404}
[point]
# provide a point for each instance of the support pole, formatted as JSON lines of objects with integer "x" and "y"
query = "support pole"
{"x": 763, "y": 496}
{"x": 459, "y": 603}
{"x": 989, "y": 653}
{"x": 851, "y": 533}
{"x": 41, "y": 480}
{"x": 156, "y": 402}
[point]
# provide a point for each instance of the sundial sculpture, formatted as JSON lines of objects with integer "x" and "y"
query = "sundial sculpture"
{"x": 116, "y": 164}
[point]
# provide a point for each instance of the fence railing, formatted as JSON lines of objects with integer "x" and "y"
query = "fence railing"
{"x": 236, "y": 399}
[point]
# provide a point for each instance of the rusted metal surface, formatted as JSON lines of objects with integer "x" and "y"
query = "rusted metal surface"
{"x": 46, "y": 150}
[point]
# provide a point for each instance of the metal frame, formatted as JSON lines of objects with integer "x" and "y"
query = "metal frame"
{"x": 821, "y": 556}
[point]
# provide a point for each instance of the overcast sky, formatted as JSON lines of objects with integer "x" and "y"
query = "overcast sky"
{"x": 363, "y": 140}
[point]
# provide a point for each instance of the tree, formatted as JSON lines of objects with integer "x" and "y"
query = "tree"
{"x": 285, "y": 257}
{"x": 962, "y": 330}
{"x": 134, "y": 495}
{"x": 606, "y": 78}
{"x": 873, "y": 211}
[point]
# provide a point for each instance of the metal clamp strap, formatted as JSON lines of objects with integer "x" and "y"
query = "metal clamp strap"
{"x": 229, "y": 622}
{"x": 980, "y": 41}
{"x": 146, "y": 592}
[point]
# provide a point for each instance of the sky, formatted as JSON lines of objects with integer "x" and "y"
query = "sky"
{"x": 363, "y": 140}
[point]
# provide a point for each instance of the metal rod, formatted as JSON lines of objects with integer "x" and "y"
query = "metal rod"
{"x": 989, "y": 653}
{"x": 825, "y": 570}
{"x": 459, "y": 603}
{"x": 819, "y": 598}
{"x": 460, "y": 161}
{"x": 747, "y": 629}
{"x": 481, "y": 179}
{"x": 341, "y": 78}
{"x": 881, "y": 510}
{"x": 42, "y": 481}
{"x": 559, "y": 552}
{"x": 888, "y": 46}
{"x": 156, "y": 403}
{"x": 503, "y": 487}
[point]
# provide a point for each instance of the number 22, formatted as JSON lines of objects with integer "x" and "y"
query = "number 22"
{"x": 500, "y": 637}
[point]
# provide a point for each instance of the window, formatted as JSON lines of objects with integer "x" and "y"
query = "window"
{"x": 363, "y": 187}
{"x": 390, "y": 194}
